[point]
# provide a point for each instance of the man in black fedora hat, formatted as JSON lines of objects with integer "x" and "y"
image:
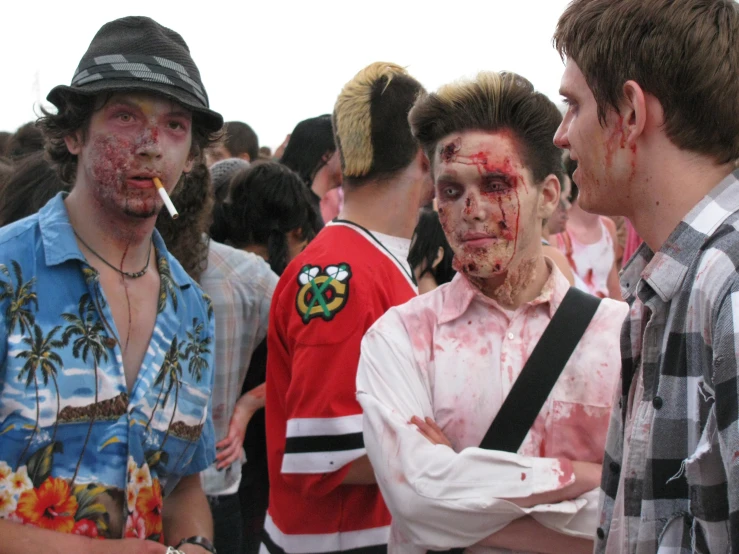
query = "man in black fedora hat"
{"x": 106, "y": 363}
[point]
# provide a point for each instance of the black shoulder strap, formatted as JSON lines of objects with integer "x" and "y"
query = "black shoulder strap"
{"x": 538, "y": 376}
{"x": 541, "y": 371}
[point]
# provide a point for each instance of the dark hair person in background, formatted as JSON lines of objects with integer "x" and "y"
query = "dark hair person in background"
{"x": 238, "y": 141}
{"x": 430, "y": 255}
{"x": 240, "y": 285}
{"x": 269, "y": 214}
{"x": 31, "y": 183}
{"x": 221, "y": 174}
{"x": 4, "y": 138}
{"x": 311, "y": 153}
{"x": 27, "y": 139}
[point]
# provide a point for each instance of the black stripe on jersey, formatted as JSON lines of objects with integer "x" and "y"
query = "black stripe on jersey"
{"x": 324, "y": 443}
{"x": 274, "y": 549}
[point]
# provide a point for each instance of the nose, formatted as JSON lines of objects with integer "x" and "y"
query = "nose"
{"x": 561, "y": 139}
{"x": 147, "y": 144}
{"x": 474, "y": 208}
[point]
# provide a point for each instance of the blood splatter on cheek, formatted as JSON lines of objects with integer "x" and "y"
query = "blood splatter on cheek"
{"x": 111, "y": 159}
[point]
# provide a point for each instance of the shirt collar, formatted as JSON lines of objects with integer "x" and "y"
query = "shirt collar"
{"x": 665, "y": 270}
{"x": 60, "y": 244}
{"x": 461, "y": 292}
{"x": 57, "y": 235}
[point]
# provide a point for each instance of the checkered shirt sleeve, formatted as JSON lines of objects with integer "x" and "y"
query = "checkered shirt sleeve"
{"x": 680, "y": 479}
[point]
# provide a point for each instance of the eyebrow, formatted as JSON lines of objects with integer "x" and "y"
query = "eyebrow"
{"x": 448, "y": 179}
{"x": 176, "y": 112}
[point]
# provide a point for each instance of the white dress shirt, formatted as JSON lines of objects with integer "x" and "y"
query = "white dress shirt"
{"x": 453, "y": 355}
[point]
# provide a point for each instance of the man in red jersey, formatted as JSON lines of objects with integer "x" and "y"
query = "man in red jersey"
{"x": 323, "y": 495}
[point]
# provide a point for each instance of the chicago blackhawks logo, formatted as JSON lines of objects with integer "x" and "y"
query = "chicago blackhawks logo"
{"x": 322, "y": 293}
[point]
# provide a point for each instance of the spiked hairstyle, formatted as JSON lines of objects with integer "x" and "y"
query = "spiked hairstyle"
{"x": 370, "y": 122}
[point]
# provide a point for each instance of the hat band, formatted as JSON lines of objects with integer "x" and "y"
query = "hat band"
{"x": 140, "y": 68}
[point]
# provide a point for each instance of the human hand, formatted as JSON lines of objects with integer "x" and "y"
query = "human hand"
{"x": 587, "y": 476}
{"x": 429, "y": 429}
{"x": 229, "y": 449}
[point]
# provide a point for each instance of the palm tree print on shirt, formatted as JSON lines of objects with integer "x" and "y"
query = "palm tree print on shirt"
{"x": 167, "y": 286}
{"x": 88, "y": 329}
{"x": 41, "y": 357}
{"x": 21, "y": 298}
{"x": 197, "y": 348}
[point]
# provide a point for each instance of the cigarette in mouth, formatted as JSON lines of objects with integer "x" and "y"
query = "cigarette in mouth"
{"x": 165, "y": 198}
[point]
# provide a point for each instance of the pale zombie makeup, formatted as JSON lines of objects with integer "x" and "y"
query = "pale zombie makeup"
{"x": 481, "y": 187}
{"x": 131, "y": 140}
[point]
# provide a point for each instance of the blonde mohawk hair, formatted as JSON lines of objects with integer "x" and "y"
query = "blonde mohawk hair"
{"x": 353, "y": 118}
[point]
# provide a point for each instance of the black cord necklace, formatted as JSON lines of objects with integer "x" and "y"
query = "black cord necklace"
{"x": 135, "y": 275}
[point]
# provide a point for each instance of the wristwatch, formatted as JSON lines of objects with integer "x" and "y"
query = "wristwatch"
{"x": 201, "y": 542}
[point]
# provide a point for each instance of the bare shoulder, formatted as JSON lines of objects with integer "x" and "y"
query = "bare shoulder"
{"x": 560, "y": 260}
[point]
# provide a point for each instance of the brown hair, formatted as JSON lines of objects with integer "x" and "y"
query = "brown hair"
{"x": 74, "y": 113}
{"x": 685, "y": 53}
{"x": 370, "y": 122}
{"x": 186, "y": 237}
{"x": 493, "y": 102}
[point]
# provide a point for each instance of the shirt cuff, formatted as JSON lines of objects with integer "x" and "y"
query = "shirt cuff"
{"x": 549, "y": 474}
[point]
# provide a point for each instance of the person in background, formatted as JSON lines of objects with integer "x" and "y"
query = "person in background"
{"x": 32, "y": 182}
{"x": 323, "y": 496}
{"x": 556, "y": 224}
{"x": 240, "y": 285}
{"x": 265, "y": 153}
{"x": 4, "y": 138}
{"x": 237, "y": 141}
{"x": 311, "y": 153}
{"x": 221, "y": 174}
{"x": 27, "y": 139}
{"x": 653, "y": 122}
{"x": 268, "y": 213}
{"x": 430, "y": 255}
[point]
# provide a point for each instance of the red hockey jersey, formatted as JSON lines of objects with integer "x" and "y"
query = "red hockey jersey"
{"x": 325, "y": 301}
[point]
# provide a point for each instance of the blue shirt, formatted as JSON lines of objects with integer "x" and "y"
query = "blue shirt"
{"x": 78, "y": 454}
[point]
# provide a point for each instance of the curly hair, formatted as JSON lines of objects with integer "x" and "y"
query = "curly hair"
{"x": 74, "y": 114}
{"x": 186, "y": 237}
{"x": 268, "y": 200}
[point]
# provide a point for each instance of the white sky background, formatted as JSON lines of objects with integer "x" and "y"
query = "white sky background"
{"x": 274, "y": 63}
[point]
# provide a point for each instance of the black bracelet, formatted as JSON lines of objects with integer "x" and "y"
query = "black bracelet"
{"x": 200, "y": 541}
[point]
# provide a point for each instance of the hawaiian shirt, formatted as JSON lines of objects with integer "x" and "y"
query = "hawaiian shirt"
{"x": 78, "y": 453}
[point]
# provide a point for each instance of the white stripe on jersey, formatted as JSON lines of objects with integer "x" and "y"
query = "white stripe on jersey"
{"x": 317, "y": 426}
{"x": 329, "y": 542}
{"x": 320, "y": 462}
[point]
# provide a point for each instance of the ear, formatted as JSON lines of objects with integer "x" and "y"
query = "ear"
{"x": 245, "y": 156}
{"x": 74, "y": 143}
{"x": 189, "y": 164}
{"x": 549, "y": 193}
{"x": 438, "y": 258}
{"x": 634, "y": 111}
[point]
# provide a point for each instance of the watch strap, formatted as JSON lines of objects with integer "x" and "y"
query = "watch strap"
{"x": 199, "y": 541}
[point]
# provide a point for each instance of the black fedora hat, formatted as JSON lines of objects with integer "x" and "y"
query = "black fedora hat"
{"x": 139, "y": 54}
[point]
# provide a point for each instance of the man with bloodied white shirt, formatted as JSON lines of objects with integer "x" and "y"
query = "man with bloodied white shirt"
{"x": 435, "y": 371}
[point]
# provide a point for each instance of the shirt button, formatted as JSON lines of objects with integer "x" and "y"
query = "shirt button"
{"x": 657, "y": 402}
{"x": 109, "y": 342}
{"x": 511, "y": 336}
{"x": 601, "y": 533}
{"x": 615, "y": 467}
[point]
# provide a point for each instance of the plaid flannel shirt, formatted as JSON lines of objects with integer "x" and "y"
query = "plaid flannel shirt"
{"x": 679, "y": 481}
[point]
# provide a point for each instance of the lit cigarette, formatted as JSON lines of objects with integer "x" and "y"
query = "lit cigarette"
{"x": 165, "y": 197}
